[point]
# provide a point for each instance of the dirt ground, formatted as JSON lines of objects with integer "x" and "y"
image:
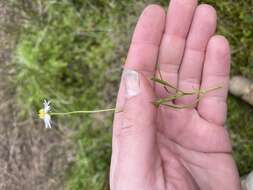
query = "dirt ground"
{"x": 31, "y": 158}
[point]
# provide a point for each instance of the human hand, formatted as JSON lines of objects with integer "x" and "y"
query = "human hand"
{"x": 174, "y": 149}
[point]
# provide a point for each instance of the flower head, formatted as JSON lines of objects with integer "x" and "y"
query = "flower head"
{"x": 44, "y": 114}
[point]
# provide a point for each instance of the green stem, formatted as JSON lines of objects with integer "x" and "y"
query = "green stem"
{"x": 160, "y": 74}
{"x": 84, "y": 111}
{"x": 210, "y": 90}
{"x": 192, "y": 105}
{"x": 165, "y": 83}
{"x": 200, "y": 93}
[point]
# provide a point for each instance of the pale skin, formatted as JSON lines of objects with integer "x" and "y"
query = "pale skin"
{"x": 164, "y": 148}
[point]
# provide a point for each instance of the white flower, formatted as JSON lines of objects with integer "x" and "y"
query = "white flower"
{"x": 44, "y": 114}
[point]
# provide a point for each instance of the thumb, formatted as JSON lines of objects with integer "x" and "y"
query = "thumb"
{"x": 136, "y": 133}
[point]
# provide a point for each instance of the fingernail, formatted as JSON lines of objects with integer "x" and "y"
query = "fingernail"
{"x": 132, "y": 83}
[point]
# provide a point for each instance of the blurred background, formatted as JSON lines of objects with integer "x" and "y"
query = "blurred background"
{"x": 71, "y": 52}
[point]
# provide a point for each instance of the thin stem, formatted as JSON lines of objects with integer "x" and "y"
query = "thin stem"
{"x": 168, "y": 99}
{"x": 192, "y": 105}
{"x": 210, "y": 90}
{"x": 84, "y": 111}
{"x": 165, "y": 83}
{"x": 160, "y": 74}
{"x": 200, "y": 93}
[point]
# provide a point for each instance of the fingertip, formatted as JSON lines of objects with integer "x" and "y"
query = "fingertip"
{"x": 187, "y": 2}
{"x": 219, "y": 51}
{"x": 150, "y": 25}
{"x": 154, "y": 9}
{"x": 220, "y": 44}
{"x": 208, "y": 13}
{"x": 221, "y": 40}
{"x": 154, "y": 14}
{"x": 179, "y": 17}
{"x": 208, "y": 8}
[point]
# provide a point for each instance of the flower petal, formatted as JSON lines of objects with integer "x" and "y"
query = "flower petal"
{"x": 47, "y": 121}
{"x": 46, "y": 106}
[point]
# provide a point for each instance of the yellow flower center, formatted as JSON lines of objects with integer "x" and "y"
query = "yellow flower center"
{"x": 42, "y": 114}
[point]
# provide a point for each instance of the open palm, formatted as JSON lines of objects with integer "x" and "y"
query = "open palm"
{"x": 165, "y": 148}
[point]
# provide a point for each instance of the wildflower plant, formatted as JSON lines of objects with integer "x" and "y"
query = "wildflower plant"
{"x": 45, "y": 113}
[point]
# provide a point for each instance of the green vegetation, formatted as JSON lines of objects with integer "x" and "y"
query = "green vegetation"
{"x": 70, "y": 51}
{"x": 67, "y": 53}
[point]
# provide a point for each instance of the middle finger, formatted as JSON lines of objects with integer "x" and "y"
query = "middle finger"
{"x": 178, "y": 22}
